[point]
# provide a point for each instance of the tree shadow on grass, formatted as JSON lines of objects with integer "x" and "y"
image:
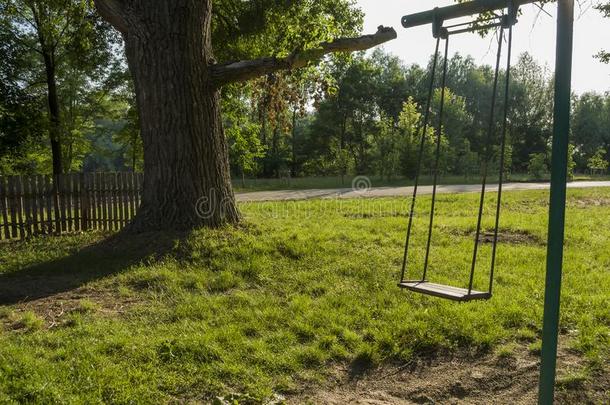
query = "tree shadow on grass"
{"x": 105, "y": 258}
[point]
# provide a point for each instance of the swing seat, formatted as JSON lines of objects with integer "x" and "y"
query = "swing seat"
{"x": 444, "y": 291}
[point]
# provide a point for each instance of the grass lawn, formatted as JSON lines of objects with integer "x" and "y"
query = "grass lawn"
{"x": 271, "y": 307}
{"x": 304, "y": 183}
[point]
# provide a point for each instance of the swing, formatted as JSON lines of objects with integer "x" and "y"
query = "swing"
{"x": 422, "y": 285}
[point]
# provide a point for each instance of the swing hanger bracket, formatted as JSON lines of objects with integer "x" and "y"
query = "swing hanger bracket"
{"x": 510, "y": 18}
{"x": 439, "y": 15}
{"x": 438, "y": 31}
{"x": 504, "y": 21}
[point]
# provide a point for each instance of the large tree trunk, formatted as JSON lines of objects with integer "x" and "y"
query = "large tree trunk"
{"x": 187, "y": 181}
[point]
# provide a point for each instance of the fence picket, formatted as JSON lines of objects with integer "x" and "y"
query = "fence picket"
{"x": 40, "y": 201}
{"x": 25, "y": 195}
{"x": 34, "y": 204}
{"x": 132, "y": 195}
{"x": 83, "y": 204}
{"x": 102, "y": 207}
{"x": 139, "y": 189}
{"x": 120, "y": 193}
{"x": 12, "y": 206}
{"x": 98, "y": 201}
{"x": 38, "y": 204}
{"x": 92, "y": 200}
{"x": 77, "y": 201}
{"x": 108, "y": 188}
{"x": 65, "y": 202}
{"x": 70, "y": 202}
{"x": 48, "y": 194}
{"x": 125, "y": 198}
{"x": 61, "y": 194}
{"x": 104, "y": 204}
{"x": 57, "y": 203}
{"x": 19, "y": 205}
{"x": 115, "y": 201}
{"x": 4, "y": 208}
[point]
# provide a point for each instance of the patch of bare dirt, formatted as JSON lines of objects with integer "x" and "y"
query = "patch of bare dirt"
{"x": 460, "y": 380}
{"x": 55, "y": 310}
{"x": 588, "y": 202}
{"x": 514, "y": 237}
{"x": 373, "y": 215}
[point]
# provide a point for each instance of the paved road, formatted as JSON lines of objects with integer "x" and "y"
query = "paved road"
{"x": 398, "y": 191}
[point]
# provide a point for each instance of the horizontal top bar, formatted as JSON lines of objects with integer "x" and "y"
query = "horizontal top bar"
{"x": 458, "y": 11}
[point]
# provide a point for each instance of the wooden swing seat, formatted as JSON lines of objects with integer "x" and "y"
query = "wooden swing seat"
{"x": 444, "y": 291}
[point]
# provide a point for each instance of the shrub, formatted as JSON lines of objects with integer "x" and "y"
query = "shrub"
{"x": 538, "y": 166}
{"x": 597, "y": 163}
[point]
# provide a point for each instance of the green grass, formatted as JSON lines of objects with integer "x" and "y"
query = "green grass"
{"x": 272, "y": 305}
{"x": 305, "y": 183}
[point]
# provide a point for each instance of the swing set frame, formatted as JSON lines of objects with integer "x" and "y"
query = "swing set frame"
{"x": 559, "y": 165}
{"x": 442, "y": 32}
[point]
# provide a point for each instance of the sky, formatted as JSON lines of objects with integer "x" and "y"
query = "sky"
{"x": 535, "y": 33}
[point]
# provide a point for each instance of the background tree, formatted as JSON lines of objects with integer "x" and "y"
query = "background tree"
{"x": 604, "y": 8}
{"x": 62, "y": 45}
{"x": 20, "y": 123}
{"x": 590, "y": 126}
{"x": 348, "y": 115}
{"x": 129, "y": 138}
{"x": 387, "y": 146}
{"x": 171, "y": 49}
{"x": 531, "y": 116}
{"x": 410, "y": 124}
{"x": 598, "y": 163}
{"x": 538, "y": 166}
{"x": 456, "y": 127}
{"x": 245, "y": 147}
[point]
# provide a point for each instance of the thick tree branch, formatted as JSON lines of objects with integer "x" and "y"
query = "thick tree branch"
{"x": 112, "y": 11}
{"x": 246, "y": 70}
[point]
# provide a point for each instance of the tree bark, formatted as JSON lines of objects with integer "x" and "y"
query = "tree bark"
{"x": 245, "y": 70}
{"x": 48, "y": 56}
{"x": 54, "y": 113}
{"x": 187, "y": 180}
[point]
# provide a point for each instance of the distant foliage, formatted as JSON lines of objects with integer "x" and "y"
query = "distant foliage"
{"x": 349, "y": 115}
{"x": 604, "y": 8}
{"x": 61, "y": 71}
{"x": 597, "y": 163}
{"x": 538, "y": 166}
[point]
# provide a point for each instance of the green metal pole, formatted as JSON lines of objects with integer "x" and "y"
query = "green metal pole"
{"x": 559, "y": 171}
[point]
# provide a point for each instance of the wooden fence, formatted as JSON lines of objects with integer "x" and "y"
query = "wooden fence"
{"x": 37, "y": 204}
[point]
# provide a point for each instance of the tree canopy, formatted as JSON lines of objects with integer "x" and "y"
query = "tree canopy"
{"x": 345, "y": 115}
{"x": 604, "y": 8}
